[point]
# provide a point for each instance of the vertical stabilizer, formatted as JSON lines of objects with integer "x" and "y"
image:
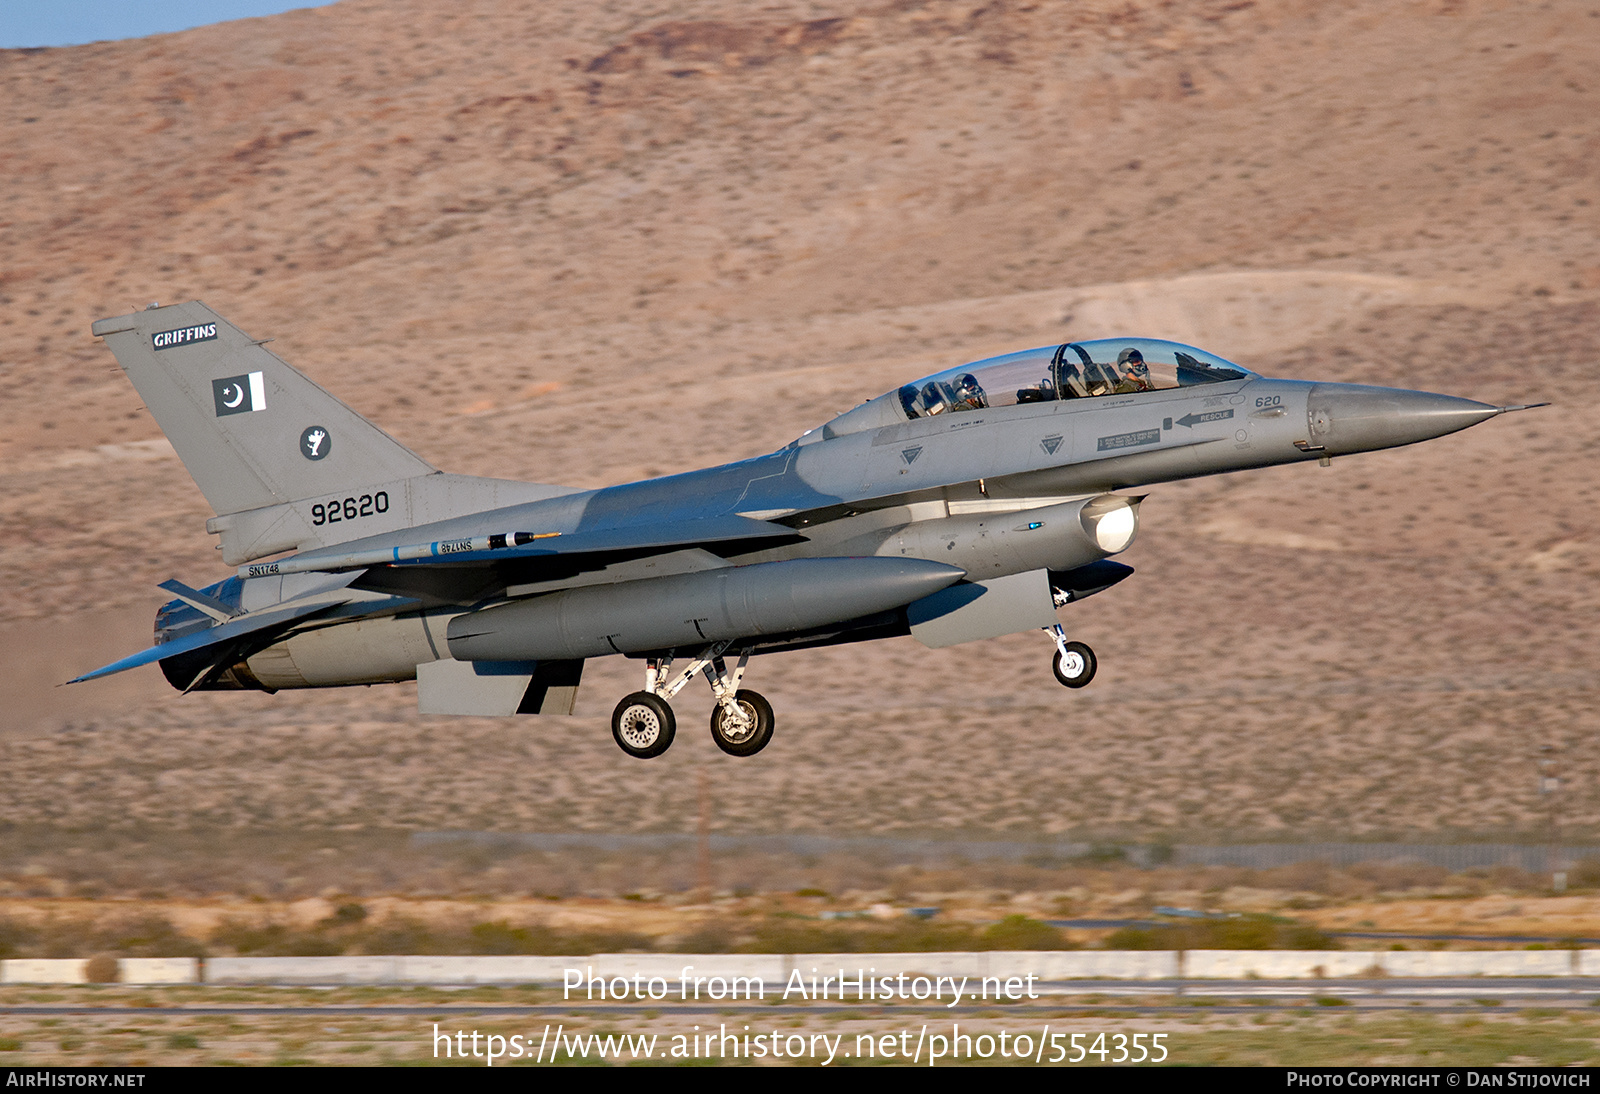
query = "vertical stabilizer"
{"x": 251, "y": 430}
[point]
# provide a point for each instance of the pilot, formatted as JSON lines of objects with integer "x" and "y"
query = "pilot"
{"x": 1135, "y": 374}
{"x": 969, "y": 393}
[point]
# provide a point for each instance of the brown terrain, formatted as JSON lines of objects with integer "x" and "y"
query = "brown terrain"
{"x": 589, "y": 243}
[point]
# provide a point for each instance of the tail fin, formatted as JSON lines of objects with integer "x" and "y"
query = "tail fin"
{"x": 251, "y": 430}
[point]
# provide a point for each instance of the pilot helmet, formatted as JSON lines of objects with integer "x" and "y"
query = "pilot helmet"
{"x": 967, "y": 384}
{"x": 1133, "y": 359}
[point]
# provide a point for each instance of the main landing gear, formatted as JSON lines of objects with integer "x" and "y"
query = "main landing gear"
{"x": 1074, "y": 662}
{"x": 741, "y": 722}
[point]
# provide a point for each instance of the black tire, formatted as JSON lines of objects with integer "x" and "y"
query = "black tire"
{"x": 643, "y": 725}
{"x": 753, "y": 741}
{"x": 1078, "y": 668}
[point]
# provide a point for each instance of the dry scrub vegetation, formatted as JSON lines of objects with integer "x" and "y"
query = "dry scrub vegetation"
{"x": 335, "y": 893}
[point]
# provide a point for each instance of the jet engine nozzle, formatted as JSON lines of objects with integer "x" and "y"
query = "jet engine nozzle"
{"x": 1345, "y": 418}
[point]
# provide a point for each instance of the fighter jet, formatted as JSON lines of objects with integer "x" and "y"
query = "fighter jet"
{"x": 973, "y": 503}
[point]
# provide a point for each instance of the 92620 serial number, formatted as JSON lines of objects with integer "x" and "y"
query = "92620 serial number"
{"x": 338, "y": 510}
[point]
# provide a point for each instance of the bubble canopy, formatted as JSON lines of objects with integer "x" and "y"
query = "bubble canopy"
{"x": 1073, "y": 370}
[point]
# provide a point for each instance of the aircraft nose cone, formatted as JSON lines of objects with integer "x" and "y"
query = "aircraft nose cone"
{"x": 1347, "y": 418}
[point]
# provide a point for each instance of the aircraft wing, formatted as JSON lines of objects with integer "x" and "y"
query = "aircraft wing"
{"x": 241, "y": 627}
{"x": 633, "y": 539}
{"x": 528, "y": 545}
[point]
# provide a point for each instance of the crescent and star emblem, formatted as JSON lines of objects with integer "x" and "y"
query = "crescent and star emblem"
{"x": 239, "y": 394}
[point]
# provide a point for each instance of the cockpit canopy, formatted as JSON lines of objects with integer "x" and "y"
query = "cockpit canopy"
{"x": 1074, "y": 370}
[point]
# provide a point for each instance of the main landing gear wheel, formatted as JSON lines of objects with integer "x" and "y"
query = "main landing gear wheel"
{"x": 750, "y": 738}
{"x": 643, "y": 725}
{"x": 1074, "y": 664}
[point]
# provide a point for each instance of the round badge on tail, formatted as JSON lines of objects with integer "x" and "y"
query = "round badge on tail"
{"x": 315, "y": 443}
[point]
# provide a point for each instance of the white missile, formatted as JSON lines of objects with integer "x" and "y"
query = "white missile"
{"x": 380, "y": 556}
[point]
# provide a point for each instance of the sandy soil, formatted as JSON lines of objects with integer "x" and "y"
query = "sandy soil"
{"x": 584, "y": 244}
{"x": 1484, "y": 919}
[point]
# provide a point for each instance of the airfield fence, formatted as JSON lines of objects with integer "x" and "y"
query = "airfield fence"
{"x": 1451, "y": 856}
{"x": 1260, "y": 856}
{"x": 774, "y": 971}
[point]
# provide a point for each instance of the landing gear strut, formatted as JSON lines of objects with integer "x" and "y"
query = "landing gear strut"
{"x": 741, "y": 722}
{"x": 1074, "y": 662}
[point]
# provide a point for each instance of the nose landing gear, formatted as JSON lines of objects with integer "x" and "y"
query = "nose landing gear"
{"x": 741, "y": 722}
{"x": 1074, "y": 662}
{"x": 751, "y": 732}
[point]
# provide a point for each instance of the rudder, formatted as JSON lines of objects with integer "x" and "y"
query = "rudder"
{"x": 251, "y": 430}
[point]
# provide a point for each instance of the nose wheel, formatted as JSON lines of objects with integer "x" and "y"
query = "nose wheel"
{"x": 749, "y": 732}
{"x": 1074, "y": 662}
{"x": 741, "y": 723}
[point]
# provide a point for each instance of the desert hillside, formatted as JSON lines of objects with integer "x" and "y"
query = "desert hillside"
{"x": 588, "y": 243}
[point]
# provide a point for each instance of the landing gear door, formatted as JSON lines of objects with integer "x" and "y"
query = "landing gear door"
{"x": 497, "y": 688}
{"x": 983, "y": 609}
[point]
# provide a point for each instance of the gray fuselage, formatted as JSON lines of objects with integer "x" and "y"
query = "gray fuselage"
{"x": 946, "y": 488}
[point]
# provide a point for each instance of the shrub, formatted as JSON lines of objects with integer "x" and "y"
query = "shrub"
{"x": 346, "y": 914}
{"x": 148, "y": 936}
{"x": 14, "y": 937}
{"x": 102, "y": 968}
{"x": 1018, "y": 932}
{"x": 276, "y": 940}
{"x": 243, "y": 938}
{"x": 1254, "y": 932}
{"x": 707, "y": 937}
{"x": 789, "y": 935}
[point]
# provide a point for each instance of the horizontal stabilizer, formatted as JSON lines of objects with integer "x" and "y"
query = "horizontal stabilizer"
{"x": 226, "y": 632}
{"x": 199, "y": 601}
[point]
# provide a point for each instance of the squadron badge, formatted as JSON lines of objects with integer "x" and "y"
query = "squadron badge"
{"x": 315, "y": 442}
